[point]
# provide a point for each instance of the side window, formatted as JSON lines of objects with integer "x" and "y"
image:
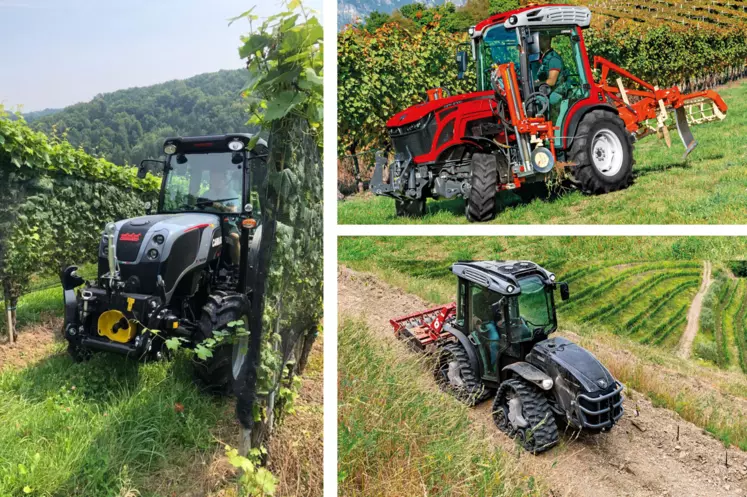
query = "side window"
{"x": 177, "y": 188}
{"x": 560, "y": 51}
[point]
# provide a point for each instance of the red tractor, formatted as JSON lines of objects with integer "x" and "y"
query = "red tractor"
{"x": 537, "y": 108}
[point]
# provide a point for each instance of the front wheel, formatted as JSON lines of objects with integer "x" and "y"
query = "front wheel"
{"x": 521, "y": 411}
{"x": 218, "y": 372}
{"x": 603, "y": 153}
{"x": 481, "y": 204}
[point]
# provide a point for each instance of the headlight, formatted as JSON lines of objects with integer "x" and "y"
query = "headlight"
{"x": 552, "y": 277}
{"x": 236, "y": 145}
{"x": 547, "y": 384}
{"x": 409, "y": 128}
{"x": 169, "y": 149}
{"x": 510, "y": 288}
{"x": 153, "y": 254}
{"x": 158, "y": 239}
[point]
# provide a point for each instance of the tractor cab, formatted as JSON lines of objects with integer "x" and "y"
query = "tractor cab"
{"x": 211, "y": 175}
{"x": 545, "y": 45}
{"x": 505, "y": 308}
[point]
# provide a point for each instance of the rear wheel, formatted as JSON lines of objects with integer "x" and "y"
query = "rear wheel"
{"x": 603, "y": 153}
{"x": 217, "y": 372}
{"x": 454, "y": 374}
{"x": 481, "y": 204}
{"x": 410, "y": 208}
{"x": 521, "y": 411}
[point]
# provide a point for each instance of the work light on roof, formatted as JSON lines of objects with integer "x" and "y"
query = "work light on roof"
{"x": 552, "y": 277}
{"x": 510, "y": 289}
{"x": 169, "y": 149}
{"x": 236, "y": 145}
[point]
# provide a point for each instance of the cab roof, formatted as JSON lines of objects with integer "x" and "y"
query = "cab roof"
{"x": 554, "y": 14}
{"x": 210, "y": 143}
{"x": 499, "y": 276}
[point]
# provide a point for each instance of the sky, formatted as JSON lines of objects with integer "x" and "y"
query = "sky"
{"x": 54, "y": 53}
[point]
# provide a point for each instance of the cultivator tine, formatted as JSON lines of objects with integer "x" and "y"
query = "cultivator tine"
{"x": 683, "y": 128}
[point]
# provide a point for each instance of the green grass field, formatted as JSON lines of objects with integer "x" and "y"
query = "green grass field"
{"x": 387, "y": 415}
{"x": 111, "y": 426}
{"x": 709, "y": 188}
{"x": 627, "y": 294}
{"x": 722, "y": 337}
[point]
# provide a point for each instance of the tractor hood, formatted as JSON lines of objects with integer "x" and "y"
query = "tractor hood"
{"x": 169, "y": 245}
{"x": 575, "y": 361}
{"x": 416, "y": 112}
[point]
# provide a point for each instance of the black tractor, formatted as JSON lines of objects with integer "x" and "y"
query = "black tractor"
{"x": 191, "y": 271}
{"x": 495, "y": 342}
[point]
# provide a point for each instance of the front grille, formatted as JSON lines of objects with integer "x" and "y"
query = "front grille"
{"x": 415, "y": 142}
{"x": 601, "y": 411}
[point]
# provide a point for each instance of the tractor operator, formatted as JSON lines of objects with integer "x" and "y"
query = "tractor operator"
{"x": 225, "y": 200}
{"x": 485, "y": 322}
{"x": 551, "y": 70}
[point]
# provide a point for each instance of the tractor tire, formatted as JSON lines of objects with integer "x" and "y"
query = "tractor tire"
{"x": 216, "y": 372}
{"x": 410, "y": 208}
{"x": 481, "y": 204}
{"x": 603, "y": 154}
{"x": 541, "y": 430}
{"x": 454, "y": 375}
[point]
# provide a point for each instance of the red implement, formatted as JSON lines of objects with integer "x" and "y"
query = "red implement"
{"x": 638, "y": 106}
{"x": 422, "y": 329}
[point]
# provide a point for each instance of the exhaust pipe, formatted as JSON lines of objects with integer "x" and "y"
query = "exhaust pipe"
{"x": 110, "y": 253}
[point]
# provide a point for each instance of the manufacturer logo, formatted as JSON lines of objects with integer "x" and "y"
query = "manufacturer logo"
{"x": 130, "y": 237}
{"x": 217, "y": 241}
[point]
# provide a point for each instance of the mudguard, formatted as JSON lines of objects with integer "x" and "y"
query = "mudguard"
{"x": 468, "y": 346}
{"x": 530, "y": 373}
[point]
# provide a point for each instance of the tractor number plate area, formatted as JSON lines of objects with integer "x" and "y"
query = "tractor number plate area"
{"x": 116, "y": 327}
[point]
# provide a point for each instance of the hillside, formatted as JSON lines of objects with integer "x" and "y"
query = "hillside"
{"x": 632, "y": 299}
{"x": 129, "y": 125}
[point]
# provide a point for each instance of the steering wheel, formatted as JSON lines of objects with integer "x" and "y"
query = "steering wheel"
{"x": 537, "y": 99}
{"x": 204, "y": 202}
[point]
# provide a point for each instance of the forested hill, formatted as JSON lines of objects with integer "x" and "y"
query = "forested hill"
{"x": 130, "y": 125}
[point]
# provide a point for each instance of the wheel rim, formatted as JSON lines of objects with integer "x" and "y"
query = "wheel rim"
{"x": 238, "y": 353}
{"x": 516, "y": 413}
{"x": 606, "y": 152}
{"x": 454, "y": 374}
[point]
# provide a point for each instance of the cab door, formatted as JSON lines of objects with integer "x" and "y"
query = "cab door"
{"x": 484, "y": 331}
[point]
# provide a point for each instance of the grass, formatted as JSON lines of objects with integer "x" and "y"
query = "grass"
{"x": 391, "y": 430}
{"x": 81, "y": 429}
{"x": 633, "y": 340}
{"x": 113, "y": 427}
{"x": 708, "y": 188}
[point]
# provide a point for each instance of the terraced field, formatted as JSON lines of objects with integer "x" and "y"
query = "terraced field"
{"x": 647, "y": 301}
{"x": 722, "y": 337}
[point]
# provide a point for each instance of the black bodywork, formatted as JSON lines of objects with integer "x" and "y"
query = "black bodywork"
{"x": 580, "y": 388}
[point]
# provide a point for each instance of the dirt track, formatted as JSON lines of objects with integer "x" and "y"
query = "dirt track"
{"x": 641, "y": 459}
{"x": 693, "y": 315}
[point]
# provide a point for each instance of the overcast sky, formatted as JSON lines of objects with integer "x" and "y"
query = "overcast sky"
{"x": 55, "y": 53}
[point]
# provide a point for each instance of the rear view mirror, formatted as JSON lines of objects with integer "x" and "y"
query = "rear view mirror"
{"x": 461, "y": 60}
{"x": 565, "y": 293}
{"x": 149, "y": 166}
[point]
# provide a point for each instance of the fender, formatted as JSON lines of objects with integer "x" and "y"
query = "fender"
{"x": 575, "y": 119}
{"x": 468, "y": 346}
{"x": 530, "y": 373}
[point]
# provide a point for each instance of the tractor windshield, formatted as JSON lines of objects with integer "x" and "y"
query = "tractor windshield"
{"x": 498, "y": 46}
{"x": 531, "y": 314}
{"x": 204, "y": 182}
